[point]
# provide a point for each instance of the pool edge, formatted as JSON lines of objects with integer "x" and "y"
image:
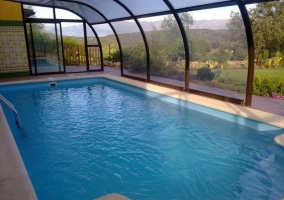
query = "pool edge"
{"x": 14, "y": 179}
{"x": 234, "y": 109}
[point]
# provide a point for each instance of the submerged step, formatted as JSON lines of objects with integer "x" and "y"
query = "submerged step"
{"x": 279, "y": 139}
{"x": 113, "y": 196}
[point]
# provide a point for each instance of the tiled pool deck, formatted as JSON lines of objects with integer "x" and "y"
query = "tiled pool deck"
{"x": 14, "y": 181}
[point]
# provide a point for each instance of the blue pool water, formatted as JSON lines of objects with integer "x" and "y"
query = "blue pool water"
{"x": 85, "y": 139}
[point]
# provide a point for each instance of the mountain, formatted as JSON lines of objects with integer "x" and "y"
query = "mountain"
{"x": 130, "y": 27}
{"x": 214, "y": 24}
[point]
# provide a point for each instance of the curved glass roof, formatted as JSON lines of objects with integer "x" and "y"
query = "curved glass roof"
{"x": 82, "y": 10}
{"x": 98, "y": 11}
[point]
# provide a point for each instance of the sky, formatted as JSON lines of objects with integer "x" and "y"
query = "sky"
{"x": 216, "y": 13}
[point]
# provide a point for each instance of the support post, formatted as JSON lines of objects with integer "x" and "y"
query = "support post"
{"x": 143, "y": 36}
{"x": 250, "y": 43}
{"x": 185, "y": 42}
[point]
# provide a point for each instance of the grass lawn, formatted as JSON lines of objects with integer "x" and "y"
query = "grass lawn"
{"x": 234, "y": 74}
{"x": 273, "y": 72}
{"x": 235, "y": 79}
{"x": 241, "y": 74}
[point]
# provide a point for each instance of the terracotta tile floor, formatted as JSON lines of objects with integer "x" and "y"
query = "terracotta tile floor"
{"x": 259, "y": 103}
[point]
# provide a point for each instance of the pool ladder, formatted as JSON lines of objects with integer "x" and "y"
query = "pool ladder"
{"x": 9, "y": 105}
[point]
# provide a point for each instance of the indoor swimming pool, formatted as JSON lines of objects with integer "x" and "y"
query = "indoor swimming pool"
{"x": 87, "y": 138}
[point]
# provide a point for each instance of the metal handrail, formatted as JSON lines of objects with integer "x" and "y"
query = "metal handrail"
{"x": 9, "y": 105}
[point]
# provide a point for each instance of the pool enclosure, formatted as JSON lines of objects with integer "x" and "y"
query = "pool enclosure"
{"x": 153, "y": 61}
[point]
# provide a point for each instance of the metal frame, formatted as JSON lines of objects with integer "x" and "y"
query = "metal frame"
{"x": 61, "y": 42}
{"x": 109, "y": 23}
{"x": 56, "y": 31}
{"x": 33, "y": 46}
{"x": 26, "y": 38}
{"x": 95, "y": 33}
{"x": 86, "y": 48}
{"x": 240, "y": 3}
{"x": 143, "y": 36}
{"x": 36, "y": 20}
{"x": 185, "y": 9}
{"x": 250, "y": 43}
{"x": 31, "y": 21}
{"x": 185, "y": 42}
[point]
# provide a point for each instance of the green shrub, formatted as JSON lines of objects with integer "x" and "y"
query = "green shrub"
{"x": 264, "y": 85}
{"x": 216, "y": 72}
{"x": 156, "y": 65}
{"x": 115, "y": 56}
{"x": 137, "y": 64}
{"x": 204, "y": 74}
{"x": 169, "y": 70}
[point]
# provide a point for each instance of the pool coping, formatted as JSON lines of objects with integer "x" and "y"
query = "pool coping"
{"x": 15, "y": 179}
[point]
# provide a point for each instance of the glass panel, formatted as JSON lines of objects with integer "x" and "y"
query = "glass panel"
{"x": 74, "y": 47}
{"x": 91, "y": 38}
{"x": 93, "y": 51}
{"x": 109, "y": 47}
{"x": 218, "y": 52}
{"x": 45, "y": 48}
{"x": 60, "y": 50}
{"x": 167, "y": 52}
{"x": 146, "y": 6}
{"x": 185, "y": 3}
{"x": 42, "y": 12}
{"x": 133, "y": 49}
{"x": 109, "y": 8}
{"x": 94, "y": 58}
{"x": 65, "y": 14}
{"x": 83, "y": 11}
{"x": 29, "y": 35}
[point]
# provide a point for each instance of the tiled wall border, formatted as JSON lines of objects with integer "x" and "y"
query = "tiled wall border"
{"x": 13, "y": 55}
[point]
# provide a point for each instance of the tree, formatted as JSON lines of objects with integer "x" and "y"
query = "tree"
{"x": 39, "y": 34}
{"x": 172, "y": 33}
{"x": 236, "y": 37}
{"x": 169, "y": 22}
{"x": 267, "y": 21}
{"x": 200, "y": 48}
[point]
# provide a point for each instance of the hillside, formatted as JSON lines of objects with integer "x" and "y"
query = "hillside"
{"x": 130, "y": 39}
{"x": 130, "y": 27}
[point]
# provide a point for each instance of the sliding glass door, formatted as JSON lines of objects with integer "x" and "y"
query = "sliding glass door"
{"x": 74, "y": 47}
{"x": 44, "y": 48}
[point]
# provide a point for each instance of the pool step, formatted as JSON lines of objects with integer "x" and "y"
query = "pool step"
{"x": 279, "y": 139}
{"x": 113, "y": 196}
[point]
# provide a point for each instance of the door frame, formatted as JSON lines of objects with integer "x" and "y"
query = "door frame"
{"x": 57, "y": 33}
